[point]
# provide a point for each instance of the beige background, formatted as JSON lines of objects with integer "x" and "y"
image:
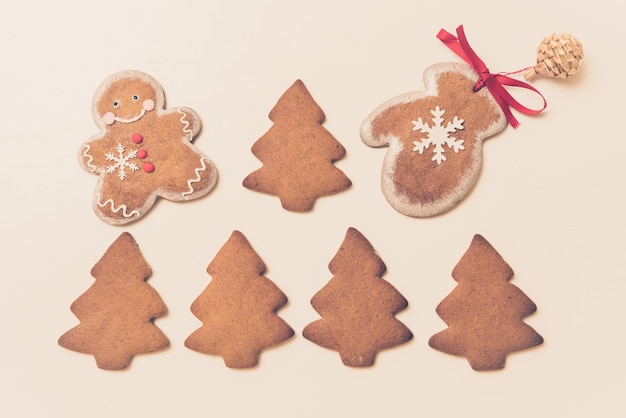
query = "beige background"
{"x": 549, "y": 198}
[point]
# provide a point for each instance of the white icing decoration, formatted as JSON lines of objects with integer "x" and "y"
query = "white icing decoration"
{"x": 90, "y": 159}
{"x": 438, "y": 135}
{"x": 121, "y": 161}
{"x": 185, "y": 123}
{"x": 135, "y": 119}
{"x": 123, "y": 208}
{"x": 197, "y": 179}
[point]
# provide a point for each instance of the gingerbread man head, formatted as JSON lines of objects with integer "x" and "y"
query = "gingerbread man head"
{"x": 143, "y": 151}
{"x": 125, "y": 97}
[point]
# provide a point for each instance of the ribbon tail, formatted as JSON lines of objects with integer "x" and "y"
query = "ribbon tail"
{"x": 453, "y": 43}
{"x": 499, "y": 93}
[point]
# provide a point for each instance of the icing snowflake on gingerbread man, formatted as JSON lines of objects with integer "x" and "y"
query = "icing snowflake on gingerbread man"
{"x": 143, "y": 150}
{"x": 121, "y": 161}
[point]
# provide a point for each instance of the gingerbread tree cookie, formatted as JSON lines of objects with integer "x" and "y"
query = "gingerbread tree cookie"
{"x": 484, "y": 312}
{"x": 357, "y": 306}
{"x": 238, "y": 307}
{"x": 116, "y": 313}
{"x": 143, "y": 151}
{"x": 297, "y": 154}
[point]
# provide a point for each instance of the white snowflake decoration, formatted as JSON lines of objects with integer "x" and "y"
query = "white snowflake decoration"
{"x": 121, "y": 161}
{"x": 438, "y": 135}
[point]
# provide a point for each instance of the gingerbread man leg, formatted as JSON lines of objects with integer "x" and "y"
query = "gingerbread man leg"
{"x": 110, "y": 205}
{"x": 196, "y": 178}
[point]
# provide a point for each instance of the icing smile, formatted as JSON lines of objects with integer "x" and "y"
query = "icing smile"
{"x": 135, "y": 119}
{"x": 109, "y": 117}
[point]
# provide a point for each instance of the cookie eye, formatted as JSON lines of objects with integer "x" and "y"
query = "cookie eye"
{"x": 116, "y": 104}
{"x": 135, "y": 97}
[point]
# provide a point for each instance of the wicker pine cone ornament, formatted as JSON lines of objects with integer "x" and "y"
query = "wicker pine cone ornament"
{"x": 558, "y": 56}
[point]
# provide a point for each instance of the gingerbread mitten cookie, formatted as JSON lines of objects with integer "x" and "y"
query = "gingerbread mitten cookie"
{"x": 117, "y": 312}
{"x": 435, "y": 140}
{"x": 484, "y": 312}
{"x": 238, "y": 307}
{"x": 357, "y": 306}
{"x": 143, "y": 151}
{"x": 435, "y": 136}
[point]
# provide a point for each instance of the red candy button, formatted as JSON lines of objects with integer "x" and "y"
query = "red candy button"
{"x": 137, "y": 138}
{"x": 142, "y": 153}
{"x": 148, "y": 167}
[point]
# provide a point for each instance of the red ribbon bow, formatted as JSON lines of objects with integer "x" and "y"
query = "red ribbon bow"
{"x": 494, "y": 82}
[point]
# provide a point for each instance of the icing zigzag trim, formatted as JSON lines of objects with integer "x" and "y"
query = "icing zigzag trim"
{"x": 123, "y": 208}
{"x": 197, "y": 179}
{"x": 88, "y": 163}
{"x": 185, "y": 123}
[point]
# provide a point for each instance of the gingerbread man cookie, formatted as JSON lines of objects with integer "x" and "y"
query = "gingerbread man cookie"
{"x": 143, "y": 151}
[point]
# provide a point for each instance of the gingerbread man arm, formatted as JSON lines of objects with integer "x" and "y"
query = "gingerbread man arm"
{"x": 91, "y": 157}
{"x": 187, "y": 118}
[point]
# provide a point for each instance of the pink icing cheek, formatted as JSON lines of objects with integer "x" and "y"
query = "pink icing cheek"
{"x": 108, "y": 118}
{"x": 148, "y": 105}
